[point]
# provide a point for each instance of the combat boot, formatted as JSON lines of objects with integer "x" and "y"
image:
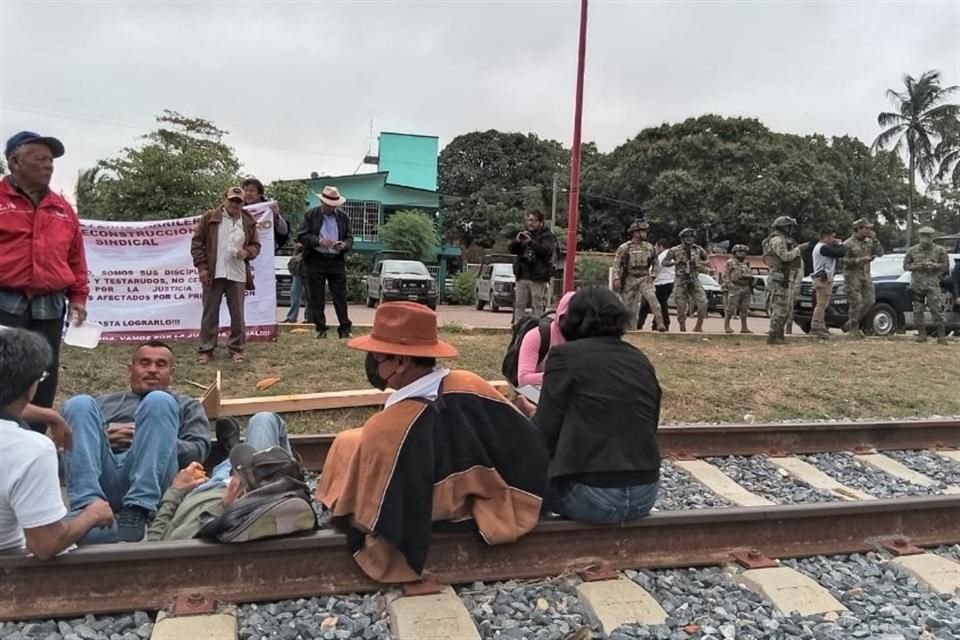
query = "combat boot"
{"x": 776, "y": 337}
{"x": 743, "y": 325}
{"x": 788, "y": 330}
{"x": 941, "y": 335}
{"x": 683, "y": 325}
{"x": 698, "y": 328}
{"x": 726, "y": 325}
{"x": 921, "y": 333}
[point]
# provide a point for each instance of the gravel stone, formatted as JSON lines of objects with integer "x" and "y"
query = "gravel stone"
{"x": 680, "y": 492}
{"x": 929, "y": 464}
{"x": 846, "y": 470}
{"x": 758, "y": 475}
{"x": 354, "y": 616}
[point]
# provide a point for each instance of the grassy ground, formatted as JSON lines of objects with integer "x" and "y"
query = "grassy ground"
{"x": 718, "y": 378}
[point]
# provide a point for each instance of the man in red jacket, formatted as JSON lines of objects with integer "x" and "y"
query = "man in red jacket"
{"x": 43, "y": 270}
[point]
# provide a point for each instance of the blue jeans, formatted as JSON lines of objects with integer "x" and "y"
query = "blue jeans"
{"x": 264, "y": 430}
{"x": 604, "y": 505}
{"x": 296, "y": 290}
{"x": 135, "y": 477}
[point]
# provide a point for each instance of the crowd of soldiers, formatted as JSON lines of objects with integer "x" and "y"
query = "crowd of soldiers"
{"x": 636, "y": 264}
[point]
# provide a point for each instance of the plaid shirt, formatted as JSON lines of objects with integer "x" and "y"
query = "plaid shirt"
{"x": 49, "y": 307}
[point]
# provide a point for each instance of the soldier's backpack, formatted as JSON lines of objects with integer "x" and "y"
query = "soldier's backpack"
{"x": 768, "y": 252}
{"x": 520, "y": 328}
{"x": 278, "y": 508}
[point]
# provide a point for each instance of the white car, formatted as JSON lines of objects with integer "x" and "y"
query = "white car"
{"x": 495, "y": 286}
{"x": 401, "y": 280}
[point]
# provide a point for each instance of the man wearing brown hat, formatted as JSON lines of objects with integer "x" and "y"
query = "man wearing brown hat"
{"x": 224, "y": 243}
{"x": 326, "y": 238}
{"x": 862, "y": 248}
{"x": 447, "y": 448}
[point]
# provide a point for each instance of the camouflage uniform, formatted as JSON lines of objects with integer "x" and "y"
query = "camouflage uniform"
{"x": 737, "y": 281}
{"x": 926, "y": 262}
{"x": 687, "y": 287}
{"x": 635, "y": 264}
{"x": 782, "y": 255}
{"x": 792, "y": 295}
{"x": 856, "y": 277}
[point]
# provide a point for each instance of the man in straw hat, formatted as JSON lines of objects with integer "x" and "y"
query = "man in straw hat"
{"x": 447, "y": 448}
{"x": 326, "y": 238}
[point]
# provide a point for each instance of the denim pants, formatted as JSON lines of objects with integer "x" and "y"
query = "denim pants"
{"x": 264, "y": 430}
{"x": 603, "y": 505}
{"x": 296, "y": 290}
{"x": 135, "y": 477}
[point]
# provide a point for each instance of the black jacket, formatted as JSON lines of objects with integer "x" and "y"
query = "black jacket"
{"x": 309, "y": 233}
{"x": 534, "y": 260}
{"x": 599, "y": 410}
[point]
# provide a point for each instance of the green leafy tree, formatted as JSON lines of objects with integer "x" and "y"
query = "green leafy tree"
{"x": 3, "y": 166}
{"x": 463, "y": 289}
{"x": 411, "y": 231}
{"x": 181, "y": 169}
{"x": 291, "y": 196}
{"x": 923, "y": 113}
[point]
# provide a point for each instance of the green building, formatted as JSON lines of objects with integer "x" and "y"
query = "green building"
{"x": 406, "y": 178}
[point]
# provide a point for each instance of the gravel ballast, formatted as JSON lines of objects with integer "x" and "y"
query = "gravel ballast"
{"x": 846, "y": 470}
{"x": 132, "y": 626}
{"x": 929, "y": 464}
{"x": 679, "y": 491}
{"x": 757, "y": 475}
{"x": 323, "y": 618}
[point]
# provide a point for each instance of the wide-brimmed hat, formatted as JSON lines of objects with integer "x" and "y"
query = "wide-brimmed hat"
{"x": 331, "y": 197}
{"x": 404, "y": 329}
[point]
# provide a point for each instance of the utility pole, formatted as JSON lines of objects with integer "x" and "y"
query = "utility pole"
{"x": 573, "y": 203}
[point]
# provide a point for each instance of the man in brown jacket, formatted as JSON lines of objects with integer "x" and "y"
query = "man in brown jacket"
{"x": 224, "y": 243}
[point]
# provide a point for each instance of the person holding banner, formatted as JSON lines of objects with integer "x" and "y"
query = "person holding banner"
{"x": 43, "y": 267}
{"x": 253, "y": 197}
{"x": 224, "y": 243}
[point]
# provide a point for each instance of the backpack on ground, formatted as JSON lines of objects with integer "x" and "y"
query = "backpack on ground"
{"x": 278, "y": 508}
{"x": 521, "y": 327}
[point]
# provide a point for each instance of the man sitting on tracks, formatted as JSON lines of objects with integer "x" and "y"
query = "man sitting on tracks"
{"x": 129, "y": 445}
{"x": 447, "y": 448}
{"x": 193, "y": 500}
{"x": 31, "y": 507}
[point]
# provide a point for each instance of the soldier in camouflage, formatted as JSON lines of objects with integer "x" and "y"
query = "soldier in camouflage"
{"x": 792, "y": 294}
{"x": 690, "y": 261}
{"x": 737, "y": 286}
{"x": 862, "y": 248}
{"x": 782, "y": 255}
{"x": 926, "y": 262}
{"x": 634, "y": 268}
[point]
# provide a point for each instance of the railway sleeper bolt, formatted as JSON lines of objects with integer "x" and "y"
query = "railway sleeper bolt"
{"x": 192, "y": 604}
{"x": 899, "y": 546}
{"x": 753, "y": 559}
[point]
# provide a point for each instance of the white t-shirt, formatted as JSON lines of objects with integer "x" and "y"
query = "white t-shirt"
{"x": 29, "y": 485}
{"x": 230, "y": 239}
{"x": 666, "y": 275}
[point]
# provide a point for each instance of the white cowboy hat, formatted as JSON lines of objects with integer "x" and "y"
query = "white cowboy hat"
{"x": 331, "y": 197}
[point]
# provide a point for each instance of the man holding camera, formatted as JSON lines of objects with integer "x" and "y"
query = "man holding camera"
{"x": 533, "y": 266}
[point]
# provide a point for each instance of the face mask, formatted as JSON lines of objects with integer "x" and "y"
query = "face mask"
{"x": 373, "y": 376}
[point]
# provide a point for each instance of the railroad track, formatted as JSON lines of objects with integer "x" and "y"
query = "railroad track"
{"x": 148, "y": 576}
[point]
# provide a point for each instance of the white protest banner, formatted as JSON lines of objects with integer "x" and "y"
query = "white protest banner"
{"x": 143, "y": 285}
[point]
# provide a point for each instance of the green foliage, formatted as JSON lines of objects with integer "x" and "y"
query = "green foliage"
{"x": 3, "y": 166}
{"x": 591, "y": 270}
{"x": 358, "y": 268}
{"x": 463, "y": 290}
{"x": 181, "y": 169}
{"x": 411, "y": 231}
{"x": 291, "y": 196}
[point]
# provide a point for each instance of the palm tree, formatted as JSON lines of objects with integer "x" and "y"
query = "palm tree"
{"x": 948, "y": 152}
{"x": 923, "y": 114}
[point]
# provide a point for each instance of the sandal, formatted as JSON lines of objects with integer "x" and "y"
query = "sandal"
{"x": 203, "y": 358}
{"x": 237, "y": 358}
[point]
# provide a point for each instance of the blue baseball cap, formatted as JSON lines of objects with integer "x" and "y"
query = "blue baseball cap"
{"x": 24, "y": 137}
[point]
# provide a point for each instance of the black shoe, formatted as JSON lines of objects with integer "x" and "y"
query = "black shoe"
{"x": 131, "y": 524}
{"x": 228, "y": 433}
{"x": 322, "y": 335}
{"x": 343, "y": 334}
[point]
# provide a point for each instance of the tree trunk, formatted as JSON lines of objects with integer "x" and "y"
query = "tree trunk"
{"x": 910, "y": 200}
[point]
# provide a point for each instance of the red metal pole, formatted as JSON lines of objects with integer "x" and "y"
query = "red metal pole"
{"x": 574, "y": 202}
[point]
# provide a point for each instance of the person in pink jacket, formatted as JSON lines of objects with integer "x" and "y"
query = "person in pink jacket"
{"x": 529, "y": 367}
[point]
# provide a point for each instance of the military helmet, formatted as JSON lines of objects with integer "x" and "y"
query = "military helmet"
{"x": 688, "y": 232}
{"x": 926, "y": 231}
{"x": 784, "y": 221}
{"x": 639, "y": 225}
{"x": 740, "y": 247}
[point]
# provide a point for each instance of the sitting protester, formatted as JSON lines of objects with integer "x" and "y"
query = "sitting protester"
{"x": 599, "y": 409}
{"x": 533, "y": 351}
{"x": 447, "y": 448}
{"x": 129, "y": 445}
{"x": 193, "y": 499}
{"x": 31, "y": 507}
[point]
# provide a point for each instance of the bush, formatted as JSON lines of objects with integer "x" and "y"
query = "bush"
{"x": 411, "y": 231}
{"x": 358, "y": 268}
{"x": 591, "y": 271}
{"x": 463, "y": 290}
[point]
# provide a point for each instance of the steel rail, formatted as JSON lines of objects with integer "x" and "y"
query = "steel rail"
{"x": 778, "y": 438}
{"x": 126, "y": 577}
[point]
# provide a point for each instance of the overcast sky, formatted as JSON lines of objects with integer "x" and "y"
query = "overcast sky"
{"x": 297, "y": 83}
